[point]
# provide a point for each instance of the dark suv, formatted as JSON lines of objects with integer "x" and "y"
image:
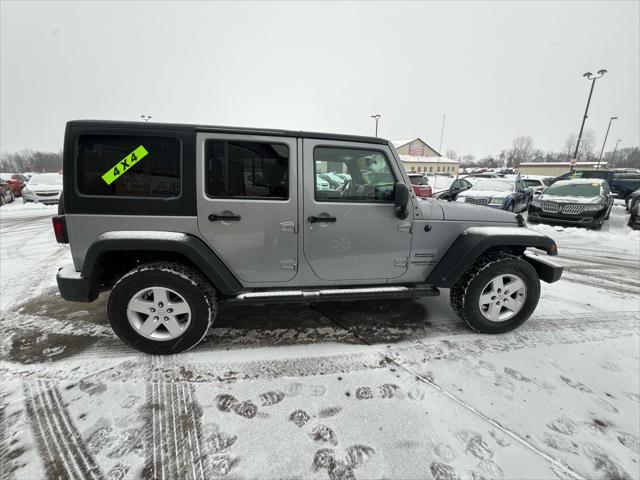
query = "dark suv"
{"x": 177, "y": 219}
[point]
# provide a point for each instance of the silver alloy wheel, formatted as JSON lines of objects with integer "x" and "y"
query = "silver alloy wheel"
{"x": 159, "y": 313}
{"x": 502, "y": 298}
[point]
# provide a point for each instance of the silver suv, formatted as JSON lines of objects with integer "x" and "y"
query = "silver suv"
{"x": 177, "y": 219}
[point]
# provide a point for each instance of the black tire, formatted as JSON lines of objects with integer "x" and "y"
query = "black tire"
{"x": 190, "y": 284}
{"x": 511, "y": 207}
{"x": 465, "y": 294}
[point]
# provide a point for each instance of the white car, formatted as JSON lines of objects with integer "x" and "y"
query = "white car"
{"x": 43, "y": 188}
{"x": 537, "y": 182}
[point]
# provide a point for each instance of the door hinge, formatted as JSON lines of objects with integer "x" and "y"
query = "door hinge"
{"x": 405, "y": 227}
{"x": 401, "y": 262}
{"x": 288, "y": 227}
{"x": 288, "y": 264}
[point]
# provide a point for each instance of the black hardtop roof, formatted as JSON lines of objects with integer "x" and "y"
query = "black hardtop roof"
{"x": 230, "y": 130}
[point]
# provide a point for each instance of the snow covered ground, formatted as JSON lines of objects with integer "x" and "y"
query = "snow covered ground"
{"x": 389, "y": 389}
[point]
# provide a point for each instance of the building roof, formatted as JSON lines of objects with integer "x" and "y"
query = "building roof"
{"x": 402, "y": 143}
{"x": 562, "y": 164}
{"x": 433, "y": 159}
{"x": 112, "y": 124}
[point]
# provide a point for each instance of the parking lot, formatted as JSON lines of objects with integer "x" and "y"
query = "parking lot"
{"x": 389, "y": 389}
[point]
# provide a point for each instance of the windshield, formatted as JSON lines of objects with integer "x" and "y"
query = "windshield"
{"x": 46, "y": 180}
{"x": 574, "y": 189}
{"x": 532, "y": 183}
{"x": 418, "y": 180}
{"x": 494, "y": 184}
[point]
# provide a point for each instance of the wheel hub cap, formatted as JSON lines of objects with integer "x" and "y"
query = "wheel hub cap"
{"x": 159, "y": 313}
{"x": 502, "y": 298}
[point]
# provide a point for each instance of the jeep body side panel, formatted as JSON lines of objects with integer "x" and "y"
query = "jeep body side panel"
{"x": 84, "y": 230}
{"x": 260, "y": 246}
{"x": 474, "y": 241}
{"x": 190, "y": 246}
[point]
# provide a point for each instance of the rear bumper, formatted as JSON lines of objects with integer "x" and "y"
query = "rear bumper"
{"x": 74, "y": 287}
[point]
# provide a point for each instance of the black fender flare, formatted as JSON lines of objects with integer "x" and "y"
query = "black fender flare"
{"x": 184, "y": 244}
{"x": 475, "y": 241}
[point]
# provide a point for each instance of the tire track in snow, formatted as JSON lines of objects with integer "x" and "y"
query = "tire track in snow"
{"x": 174, "y": 447}
{"x": 59, "y": 442}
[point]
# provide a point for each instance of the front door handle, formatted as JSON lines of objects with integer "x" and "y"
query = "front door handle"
{"x": 313, "y": 219}
{"x": 224, "y": 218}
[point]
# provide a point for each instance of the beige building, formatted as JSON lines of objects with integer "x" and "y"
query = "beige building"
{"x": 418, "y": 156}
{"x": 554, "y": 169}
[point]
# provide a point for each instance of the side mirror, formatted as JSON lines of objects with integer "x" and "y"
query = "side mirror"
{"x": 401, "y": 200}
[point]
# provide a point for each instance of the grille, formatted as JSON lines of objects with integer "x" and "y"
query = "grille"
{"x": 549, "y": 207}
{"x": 477, "y": 201}
{"x": 573, "y": 209}
{"x": 46, "y": 194}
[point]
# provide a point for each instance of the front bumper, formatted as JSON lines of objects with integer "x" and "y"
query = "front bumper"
{"x": 585, "y": 219}
{"x": 41, "y": 198}
{"x": 74, "y": 287}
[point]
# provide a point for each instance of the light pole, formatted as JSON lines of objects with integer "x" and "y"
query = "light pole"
{"x": 377, "y": 117}
{"x": 605, "y": 139}
{"x": 614, "y": 152}
{"x": 444, "y": 117}
{"x": 146, "y": 118}
{"x": 593, "y": 78}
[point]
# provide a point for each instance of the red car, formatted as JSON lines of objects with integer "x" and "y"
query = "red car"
{"x": 420, "y": 185}
{"x": 6, "y": 195}
{"x": 15, "y": 182}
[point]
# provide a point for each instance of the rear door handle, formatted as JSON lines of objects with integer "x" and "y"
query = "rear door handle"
{"x": 313, "y": 219}
{"x": 224, "y": 218}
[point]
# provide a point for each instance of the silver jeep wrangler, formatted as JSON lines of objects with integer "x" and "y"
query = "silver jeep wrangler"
{"x": 177, "y": 219}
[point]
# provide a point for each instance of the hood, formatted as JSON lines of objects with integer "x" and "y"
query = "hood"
{"x": 43, "y": 187}
{"x": 466, "y": 212}
{"x": 484, "y": 193}
{"x": 570, "y": 199}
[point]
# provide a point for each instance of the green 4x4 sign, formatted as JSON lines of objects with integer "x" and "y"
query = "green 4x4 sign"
{"x": 125, "y": 164}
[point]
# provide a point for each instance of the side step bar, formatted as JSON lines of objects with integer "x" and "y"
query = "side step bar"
{"x": 333, "y": 295}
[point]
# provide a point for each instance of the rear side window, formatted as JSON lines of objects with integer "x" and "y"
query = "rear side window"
{"x": 128, "y": 166}
{"x": 237, "y": 169}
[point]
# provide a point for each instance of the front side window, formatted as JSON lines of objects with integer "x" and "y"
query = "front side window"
{"x": 367, "y": 176}
{"x": 237, "y": 169}
{"x": 128, "y": 165}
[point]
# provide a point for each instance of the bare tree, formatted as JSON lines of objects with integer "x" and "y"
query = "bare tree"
{"x": 521, "y": 151}
{"x": 587, "y": 145}
{"x": 451, "y": 154}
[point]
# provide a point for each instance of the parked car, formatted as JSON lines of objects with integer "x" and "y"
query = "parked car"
{"x": 507, "y": 194}
{"x": 585, "y": 202}
{"x": 622, "y": 183}
{"x": 634, "y": 215}
{"x": 420, "y": 185}
{"x": 537, "y": 182}
{"x": 632, "y": 199}
{"x": 43, "y": 188}
{"x": 171, "y": 256}
{"x": 453, "y": 188}
{"x": 6, "y": 194}
{"x": 15, "y": 181}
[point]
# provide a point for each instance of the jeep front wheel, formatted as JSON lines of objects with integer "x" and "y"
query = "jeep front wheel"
{"x": 498, "y": 294}
{"x": 162, "y": 308}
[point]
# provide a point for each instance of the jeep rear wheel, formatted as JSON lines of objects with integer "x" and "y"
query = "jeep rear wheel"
{"x": 498, "y": 294}
{"x": 162, "y": 308}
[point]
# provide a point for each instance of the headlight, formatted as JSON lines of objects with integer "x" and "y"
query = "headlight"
{"x": 593, "y": 208}
{"x": 496, "y": 200}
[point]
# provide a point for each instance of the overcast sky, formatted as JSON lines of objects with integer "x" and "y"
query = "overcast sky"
{"x": 497, "y": 70}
